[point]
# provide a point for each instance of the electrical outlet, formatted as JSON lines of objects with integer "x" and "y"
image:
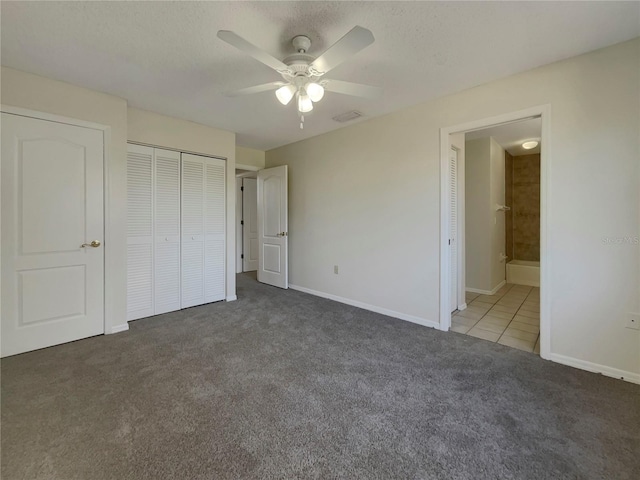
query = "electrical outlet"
{"x": 335, "y": 269}
{"x": 633, "y": 321}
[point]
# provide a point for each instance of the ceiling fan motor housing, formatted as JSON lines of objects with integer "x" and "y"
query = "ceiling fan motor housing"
{"x": 301, "y": 43}
{"x": 298, "y": 63}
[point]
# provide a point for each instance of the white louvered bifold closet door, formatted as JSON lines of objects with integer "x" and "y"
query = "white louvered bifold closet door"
{"x": 453, "y": 235}
{"x": 139, "y": 232}
{"x": 167, "y": 231}
{"x": 214, "y": 225}
{"x": 203, "y": 230}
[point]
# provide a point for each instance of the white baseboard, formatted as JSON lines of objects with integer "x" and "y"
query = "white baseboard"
{"x": 487, "y": 292}
{"x": 477, "y": 290}
{"x": 594, "y": 367}
{"x": 462, "y": 307}
{"x": 123, "y": 327}
{"x": 365, "y": 306}
{"x": 231, "y": 298}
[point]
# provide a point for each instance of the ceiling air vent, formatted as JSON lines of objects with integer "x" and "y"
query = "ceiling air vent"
{"x": 347, "y": 117}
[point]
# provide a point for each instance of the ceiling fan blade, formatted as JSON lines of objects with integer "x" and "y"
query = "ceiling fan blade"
{"x": 354, "y": 41}
{"x": 348, "y": 88}
{"x": 255, "y": 89}
{"x": 250, "y": 49}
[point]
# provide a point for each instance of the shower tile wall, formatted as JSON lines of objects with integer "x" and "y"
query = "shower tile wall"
{"x": 526, "y": 207}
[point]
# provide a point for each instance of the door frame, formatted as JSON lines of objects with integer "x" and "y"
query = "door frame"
{"x": 111, "y": 282}
{"x": 544, "y": 112}
{"x": 239, "y": 245}
{"x": 239, "y": 226}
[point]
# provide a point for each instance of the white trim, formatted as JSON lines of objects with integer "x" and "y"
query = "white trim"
{"x": 123, "y": 327}
{"x": 231, "y": 298}
{"x": 479, "y": 291}
{"x": 545, "y": 244}
{"x": 487, "y": 292}
{"x": 242, "y": 166}
{"x": 445, "y": 261}
{"x": 109, "y": 278}
{"x": 179, "y": 150}
{"x": 462, "y": 307}
{"x": 25, "y": 112}
{"x": 543, "y": 111}
{"x": 461, "y": 238}
{"x": 595, "y": 368}
{"x": 252, "y": 174}
{"x": 365, "y": 306}
{"x": 238, "y": 225}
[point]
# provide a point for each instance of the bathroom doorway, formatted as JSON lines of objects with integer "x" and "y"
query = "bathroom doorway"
{"x": 493, "y": 209}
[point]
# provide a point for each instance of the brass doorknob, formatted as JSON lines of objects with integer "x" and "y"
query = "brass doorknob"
{"x": 94, "y": 244}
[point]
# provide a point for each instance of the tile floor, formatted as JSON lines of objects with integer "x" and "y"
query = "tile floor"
{"x": 511, "y": 317}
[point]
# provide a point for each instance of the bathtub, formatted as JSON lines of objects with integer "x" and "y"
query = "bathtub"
{"x": 523, "y": 272}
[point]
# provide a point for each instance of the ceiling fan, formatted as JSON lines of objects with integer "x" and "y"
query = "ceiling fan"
{"x": 302, "y": 73}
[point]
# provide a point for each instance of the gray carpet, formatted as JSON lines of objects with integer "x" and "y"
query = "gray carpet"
{"x": 282, "y": 385}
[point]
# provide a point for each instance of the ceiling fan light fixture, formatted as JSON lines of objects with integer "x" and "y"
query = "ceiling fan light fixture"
{"x": 304, "y": 103}
{"x": 315, "y": 91}
{"x": 285, "y": 94}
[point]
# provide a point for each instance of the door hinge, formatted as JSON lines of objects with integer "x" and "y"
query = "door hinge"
{"x": 242, "y": 188}
{"x": 449, "y": 241}
{"x": 242, "y": 255}
{"x": 241, "y": 222}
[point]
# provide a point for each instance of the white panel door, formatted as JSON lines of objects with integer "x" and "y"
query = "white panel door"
{"x": 52, "y": 204}
{"x": 453, "y": 236}
{"x": 166, "y": 222}
{"x": 250, "y": 219}
{"x": 203, "y": 230}
{"x": 140, "y": 294}
{"x": 272, "y": 227}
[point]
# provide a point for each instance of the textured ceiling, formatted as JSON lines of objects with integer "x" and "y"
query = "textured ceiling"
{"x": 511, "y": 135}
{"x": 165, "y": 56}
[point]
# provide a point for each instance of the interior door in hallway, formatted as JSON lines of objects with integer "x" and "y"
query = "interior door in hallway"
{"x": 52, "y": 233}
{"x": 250, "y": 219}
{"x": 272, "y": 227}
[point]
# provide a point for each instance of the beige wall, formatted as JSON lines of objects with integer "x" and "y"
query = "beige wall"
{"x": 508, "y": 199}
{"x": 497, "y": 218}
{"x": 250, "y": 157}
{"x": 485, "y": 227}
{"x": 478, "y": 217}
{"x": 42, "y": 94}
{"x": 367, "y": 197}
{"x": 162, "y": 131}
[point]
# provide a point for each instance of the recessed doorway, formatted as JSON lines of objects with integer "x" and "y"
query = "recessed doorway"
{"x": 479, "y": 247}
{"x": 246, "y": 221}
